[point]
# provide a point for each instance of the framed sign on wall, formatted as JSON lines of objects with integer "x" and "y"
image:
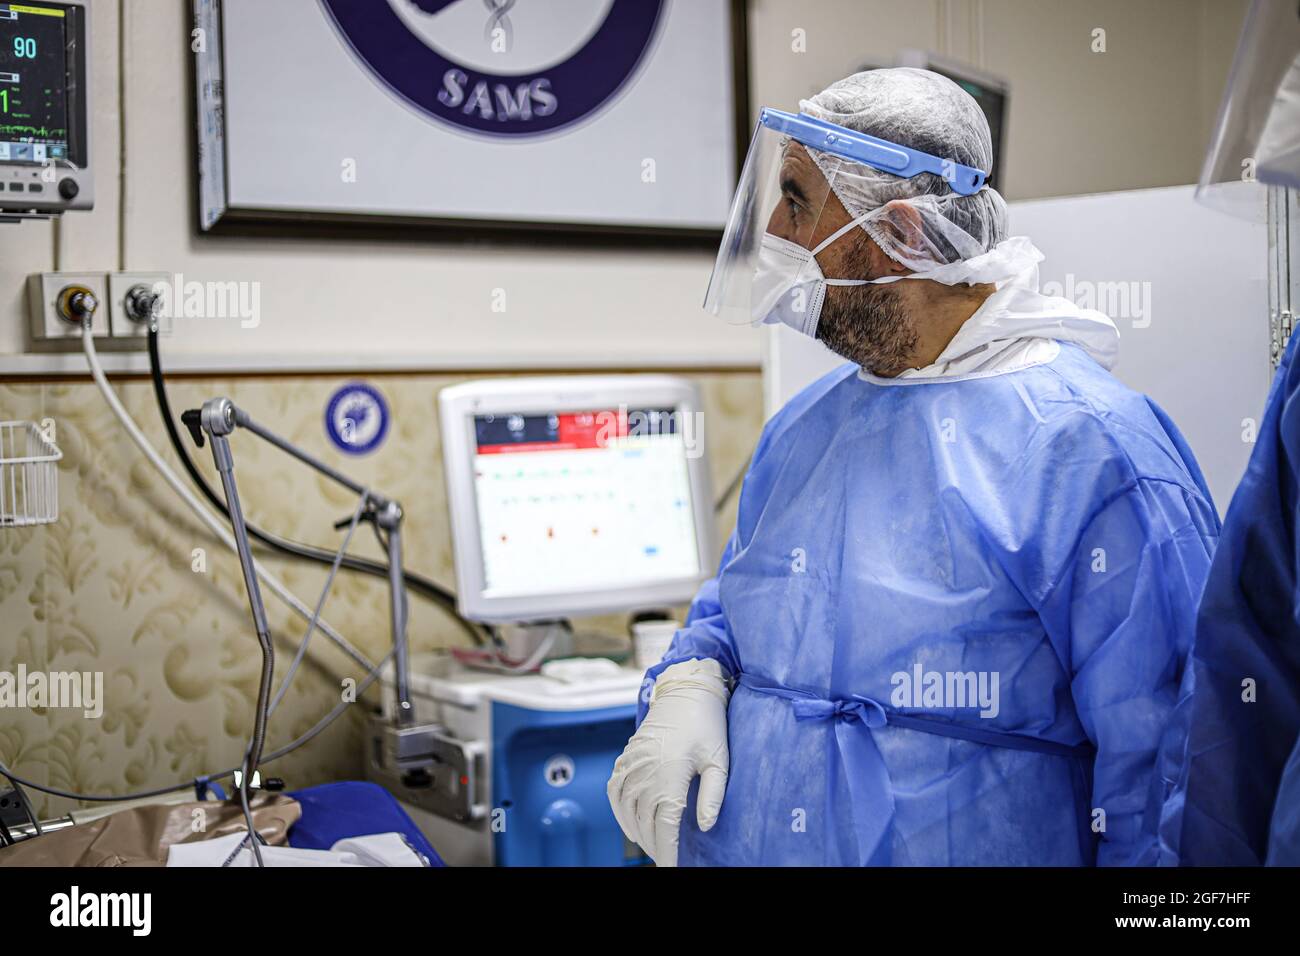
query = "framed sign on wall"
{"x": 607, "y": 115}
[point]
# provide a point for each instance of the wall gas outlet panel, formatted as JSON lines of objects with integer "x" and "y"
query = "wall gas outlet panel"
{"x": 130, "y": 298}
{"x": 57, "y": 304}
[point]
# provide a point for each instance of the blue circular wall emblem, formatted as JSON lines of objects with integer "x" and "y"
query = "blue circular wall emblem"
{"x": 356, "y": 418}
{"x": 506, "y": 68}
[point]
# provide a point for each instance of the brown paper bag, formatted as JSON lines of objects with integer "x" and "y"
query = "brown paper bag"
{"x": 140, "y": 836}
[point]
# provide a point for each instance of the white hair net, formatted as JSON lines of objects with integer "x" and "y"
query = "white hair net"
{"x": 920, "y": 222}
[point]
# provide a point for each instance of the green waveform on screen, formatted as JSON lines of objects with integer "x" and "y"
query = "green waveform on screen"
{"x": 41, "y": 131}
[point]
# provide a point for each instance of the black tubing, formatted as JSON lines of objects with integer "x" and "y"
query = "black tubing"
{"x": 421, "y": 585}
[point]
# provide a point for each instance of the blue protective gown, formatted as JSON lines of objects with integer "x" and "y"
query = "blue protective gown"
{"x": 1046, "y": 525}
{"x": 1230, "y": 767}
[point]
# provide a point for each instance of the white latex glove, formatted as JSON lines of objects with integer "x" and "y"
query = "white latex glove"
{"x": 684, "y": 735}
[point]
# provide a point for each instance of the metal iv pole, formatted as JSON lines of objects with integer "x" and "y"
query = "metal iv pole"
{"x": 218, "y": 418}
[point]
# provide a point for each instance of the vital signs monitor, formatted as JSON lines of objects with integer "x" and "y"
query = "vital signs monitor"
{"x": 45, "y": 158}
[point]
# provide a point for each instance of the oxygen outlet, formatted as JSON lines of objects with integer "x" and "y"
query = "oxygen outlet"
{"x": 62, "y": 304}
{"x": 76, "y": 304}
{"x": 140, "y": 303}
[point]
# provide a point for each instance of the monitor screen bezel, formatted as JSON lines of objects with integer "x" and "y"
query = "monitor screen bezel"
{"x": 459, "y": 405}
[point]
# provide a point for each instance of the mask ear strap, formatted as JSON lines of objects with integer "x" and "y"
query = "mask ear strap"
{"x": 835, "y": 235}
{"x": 842, "y": 230}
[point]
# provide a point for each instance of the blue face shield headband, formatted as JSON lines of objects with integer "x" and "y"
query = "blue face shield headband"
{"x": 902, "y": 161}
{"x": 768, "y": 256}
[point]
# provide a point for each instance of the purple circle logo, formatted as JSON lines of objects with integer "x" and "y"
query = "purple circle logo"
{"x": 356, "y": 418}
{"x": 507, "y": 68}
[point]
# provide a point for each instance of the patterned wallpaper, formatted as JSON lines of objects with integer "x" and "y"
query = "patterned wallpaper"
{"x": 111, "y": 585}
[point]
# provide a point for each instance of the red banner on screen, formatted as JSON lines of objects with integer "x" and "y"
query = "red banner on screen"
{"x": 574, "y": 432}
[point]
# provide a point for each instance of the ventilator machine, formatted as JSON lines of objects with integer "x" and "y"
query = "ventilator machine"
{"x": 568, "y": 497}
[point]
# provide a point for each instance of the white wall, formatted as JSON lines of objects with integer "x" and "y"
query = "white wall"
{"x": 1136, "y": 115}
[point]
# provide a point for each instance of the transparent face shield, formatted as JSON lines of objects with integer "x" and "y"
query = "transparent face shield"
{"x": 1257, "y": 136}
{"x": 786, "y": 213}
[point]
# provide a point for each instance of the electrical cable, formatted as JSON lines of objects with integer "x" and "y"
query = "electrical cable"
{"x": 320, "y": 605}
{"x": 733, "y": 486}
{"x": 288, "y": 748}
{"x": 101, "y": 798}
{"x": 415, "y": 582}
{"x": 328, "y": 719}
{"x": 252, "y": 756}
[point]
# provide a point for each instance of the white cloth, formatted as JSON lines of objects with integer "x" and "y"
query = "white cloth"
{"x": 380, "y": 849}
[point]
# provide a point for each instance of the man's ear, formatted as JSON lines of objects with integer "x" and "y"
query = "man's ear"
{"x": 902, "y": 223}
{"x": 881, "y": 264}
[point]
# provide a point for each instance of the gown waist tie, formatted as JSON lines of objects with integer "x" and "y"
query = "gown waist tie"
{"x": 870, "y": 788}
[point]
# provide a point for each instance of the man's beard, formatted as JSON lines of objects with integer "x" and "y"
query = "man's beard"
{"x": 869, "y": 325}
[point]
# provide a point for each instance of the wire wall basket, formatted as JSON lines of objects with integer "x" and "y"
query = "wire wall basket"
{"x": 29, "y": 476}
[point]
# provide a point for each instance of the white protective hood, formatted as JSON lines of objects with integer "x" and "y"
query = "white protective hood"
{"x": 1017, "y": 327}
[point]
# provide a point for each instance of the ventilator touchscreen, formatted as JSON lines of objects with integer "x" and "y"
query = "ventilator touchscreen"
{"x": 568, "y": 499}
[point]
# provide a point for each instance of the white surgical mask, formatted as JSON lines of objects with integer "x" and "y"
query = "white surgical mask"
{"x": 788, "y": 285}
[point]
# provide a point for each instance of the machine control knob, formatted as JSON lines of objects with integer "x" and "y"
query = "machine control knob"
{"x": 68, "y": 188}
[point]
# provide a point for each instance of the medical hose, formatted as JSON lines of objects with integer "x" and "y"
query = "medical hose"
{"x": 415, "y": 582}
{"x": 222, "y": 533}
{"x": 732, "y": 488}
